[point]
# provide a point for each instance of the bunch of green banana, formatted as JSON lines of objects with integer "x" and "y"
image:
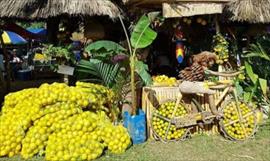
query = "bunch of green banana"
{"x": 221, "y": 46}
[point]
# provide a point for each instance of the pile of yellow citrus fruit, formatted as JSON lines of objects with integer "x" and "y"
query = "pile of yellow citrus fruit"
{"x": 163, "y": 80}
{"x": 235, "y": 127}
{"x": 60, "y": 122}
{"x": 160, "y": 125}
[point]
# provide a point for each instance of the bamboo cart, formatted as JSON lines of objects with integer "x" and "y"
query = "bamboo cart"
{"x": 152, "y": 96}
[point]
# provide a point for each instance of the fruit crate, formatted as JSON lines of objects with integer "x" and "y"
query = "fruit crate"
{"x": 151, "y": 96}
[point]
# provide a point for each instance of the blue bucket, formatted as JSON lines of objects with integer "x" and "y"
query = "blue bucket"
{"x": 24, "y": 75}
{"x": 136, "y": 126}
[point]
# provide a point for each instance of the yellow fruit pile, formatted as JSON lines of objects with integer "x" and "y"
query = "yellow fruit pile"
{"x": 221, "y": 46}
{"x": 55, "y": 121}
{"x": 232, "y": 124}
{"x": 160, "y": 125}
{"x": 163, "y": 80}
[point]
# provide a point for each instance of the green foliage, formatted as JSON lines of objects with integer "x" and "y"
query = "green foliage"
{"x": 142, "y": 35}
{"x": 58, "y": 51}
{"x": 62, "y": 54}
{"x": 258, "y": 56}
{"x": 34, "y": 25}
{"x": 253, "y": 89}
{"x": 256, "y": 50}
{"x": 108, "y": 74}
{"x": 251, "y": 74}
{"x": 263, "y": 85}
{"x": 99, "y": 72}
{"x": 142, "y": 70}
{"x": 104, "y": 49}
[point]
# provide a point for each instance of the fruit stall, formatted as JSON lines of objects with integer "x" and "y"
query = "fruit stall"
{"x": 202, "y": 101}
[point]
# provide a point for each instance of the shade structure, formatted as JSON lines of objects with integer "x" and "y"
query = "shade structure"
{"x": 11, "y": 38}
{"x": 252, "y": 11}
{"x": 38, "y": 31}
{"x": 43, "y": 9}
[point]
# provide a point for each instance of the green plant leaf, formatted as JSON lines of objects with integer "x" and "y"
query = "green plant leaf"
{"x": 239, "y": 88}
{"x": 256, "y": 50}
{"x": 247, "y": 96}
{"x": 99, "y": 71}
{"x": 104, "y": 49}
{"x": 142, "y": 35}
{"x": 142, "y": 70}
{"x": 263, "y": 85}
{"x": 251, "y": 74}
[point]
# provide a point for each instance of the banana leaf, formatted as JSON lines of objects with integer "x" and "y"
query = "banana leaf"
{"x": 256, "y": 50}
{"x": 263, "y": 85}
{"x": 142, "y": 35}
{"x": 104, "y": 49}
{"x": 251, "y": 74}
{"x": 142, "y": 70}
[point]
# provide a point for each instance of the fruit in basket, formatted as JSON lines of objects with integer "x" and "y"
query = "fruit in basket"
{"x": 163, "y": 80}
{"x": 66, "y": 121}
{"x": 221, "y": 48}
{"x": 160, "y": 125}
{"x": 234, "y": 126}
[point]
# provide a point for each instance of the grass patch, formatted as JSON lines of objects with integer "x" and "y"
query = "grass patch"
{"x": 198, "y": 148}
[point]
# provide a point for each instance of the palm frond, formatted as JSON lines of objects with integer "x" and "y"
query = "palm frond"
{"x": 256, "y": 50}
{"x": 100, "y": 72}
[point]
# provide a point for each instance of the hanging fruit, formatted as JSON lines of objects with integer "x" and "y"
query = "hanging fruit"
{"x": 189, "y": 21}
{"x": 199, "y": 20}
{"x": 185, "y": 20}
{"x": 204, "y": 22}
{"x": 221, "y": 46}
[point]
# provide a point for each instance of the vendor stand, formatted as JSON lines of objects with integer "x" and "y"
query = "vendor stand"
{"x": 155, "y": 95}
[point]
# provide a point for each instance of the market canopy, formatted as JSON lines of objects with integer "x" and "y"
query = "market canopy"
{"x": 159, "y": 2}
{"x": 43, "y": 9}
{"x": 11, "y": 38}
{"x": 252, "y": 11}
{"x": 182, "y": 8}
{"x": 38, "y": 31}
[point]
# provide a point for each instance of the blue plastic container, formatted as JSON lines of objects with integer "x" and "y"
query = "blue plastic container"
{"x": 24, "y": 75}
{"x": 136, "y": 126}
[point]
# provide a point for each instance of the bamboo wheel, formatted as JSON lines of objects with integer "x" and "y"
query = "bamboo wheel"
{"x": 161, "y": 122}
{"x": 239, "y": 121}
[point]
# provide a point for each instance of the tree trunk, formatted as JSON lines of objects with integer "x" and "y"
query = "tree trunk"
{"x": 133, "y": 87}
{"x": 53, "y": 27}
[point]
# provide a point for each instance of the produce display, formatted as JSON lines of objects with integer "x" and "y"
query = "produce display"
{"x": 163, "y": 80}
{"x": 221, "y": 46}
{"x": 60, "y": 122}
{"x": 160, "y": 125}
{"x": 232, "y": 124}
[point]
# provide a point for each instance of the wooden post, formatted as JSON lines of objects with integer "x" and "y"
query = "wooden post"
{"x": 7, "y": 64}
{"x": 217, "y": 24}
{"x": 220, "y": 67}
{"x": 52, "y": 27}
